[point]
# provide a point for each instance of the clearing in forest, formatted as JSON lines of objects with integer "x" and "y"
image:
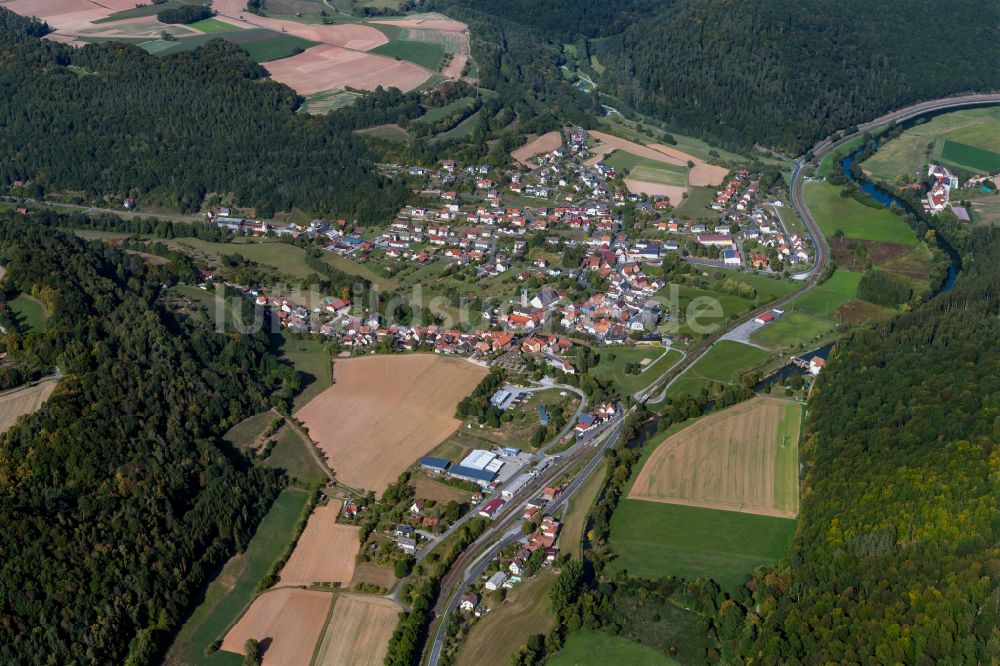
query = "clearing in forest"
{"x": 744, "y": 458}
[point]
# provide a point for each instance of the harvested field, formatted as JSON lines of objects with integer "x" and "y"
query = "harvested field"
{"x": 327, "y": 67}
{"x": 66, "y": 16}
{"x": 674, "y": 193}
{"x": 383, "y": 412}
{"x": 610, "y": 143}
{"x": 373, "y": 574}
{"x": 744, "y": 458}
{"x": 355, "y": 36}
{"x": 676, "y": 153}
{"x": 358, "y": 631}
{"x": 441, "y": 493}
{"x": 18, "y": 402}
{"x": 427, "y": 22}
{"x": 286, "y": 622}
{"x": 707, "y": 175}
{"x": 541, "y": 144}
{"x": 324, "y": 553}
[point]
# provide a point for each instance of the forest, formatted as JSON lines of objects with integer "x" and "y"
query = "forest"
{"x": 118, "y": 501}
{"x": 175, "y": 129}
{"x": 896, "y": 557}
{"x": 779, "y": 74}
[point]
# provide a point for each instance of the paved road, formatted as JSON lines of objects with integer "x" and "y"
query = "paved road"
{"x": 506, "y": 529}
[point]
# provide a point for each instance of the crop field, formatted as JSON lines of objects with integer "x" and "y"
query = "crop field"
{"x": 383, "y": 412}
{"x": 654, "y": 362}
{"x": 586, "y": 646}
{"x": 971, "y": 157}
{"x": 744, "y": 458}
{"x": 655, "y": 539}
{"x": 373, "y": 574}
{"x": 358, "y": 631}
{"x": 287, "y": 623}
{"x": 229, "y": 594}
{"x": 326, "y": 67}
{"x": 795, "y": 330}
{"x": 324, "y": 102}
{"x": 16, "y": 403}
{"x": 495, "y": 638}
{"x": 324, "y": 553}
{"x": 722, "y": 364}
{"x": 909, "y": 153}
{"x": 425, "y": 54}
{"x": 212, "y": 25}
{"x": 540, "y": 144}
{"x": 836, "y": 213}
{"x": 267, "y": 45}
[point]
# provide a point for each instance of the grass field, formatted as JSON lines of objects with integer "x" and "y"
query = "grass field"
{"x": 744, "y": 458}
{"x": 696, "y": 203}
{"x": 140, "y": 12}
{"x": 575, "y": 519}
{"x": 613, "y": 370}
{"x": 645, "y": 169}
{"x": 596, "y": 647}
{"x": 292, "y": 454}
{"x": 836, "y": 213}
{"x": 824, "y": 298}
{"x": 723, "y": 363}
{"x": 212, "y": 25}
{"x": 654, "y": 539}
{"x": 436, "y": 113}
{"x": 495, "y": 638}
{"x": 324, "y": 102}
{"x": 29, "y": 313}
{"x": 268, "y": 45}
{"x": 16, "y": 403}
{"x": 909, "y": 152}
{"x": 233, "y": 589}
{"x": 796, "y": 330}
{"x": 829, "y": 163}
{"x": 247, "y": 432}
{"x": 312, "y": 359}
{"x": 425, "y": 54}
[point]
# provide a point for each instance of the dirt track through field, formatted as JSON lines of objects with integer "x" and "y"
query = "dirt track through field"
{"x": 740, "y": 459}
{"x": 324, "y": 553}
{"x": 17, "y": 403}
{"x": 385, "y": 411}
{"x": 287, "y": 623}
{"x": 358, "y": 632}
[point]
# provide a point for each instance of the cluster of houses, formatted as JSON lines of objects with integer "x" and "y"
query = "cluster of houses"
{"x": 938, "y": 196}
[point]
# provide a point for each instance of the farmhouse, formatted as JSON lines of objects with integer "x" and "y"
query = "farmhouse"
{"x": 765, "y": 318}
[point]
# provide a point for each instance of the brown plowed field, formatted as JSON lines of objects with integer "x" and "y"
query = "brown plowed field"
{"x": 541, "y": 144}
{"x": 385, "y": 411}
{"x": 358, "y": 632}
{"x": 349, "y": 35}
{"x": 327, "y": 67}
{"x": 286, "y": 622}
{"x": 324, "y": 553}
{"x": 744, "y": 458}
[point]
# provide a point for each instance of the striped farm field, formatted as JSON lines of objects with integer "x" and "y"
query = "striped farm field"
{"x": 358, "y": 631}
{"x": 977, "y": 159}
{"x": 744, "y": 458}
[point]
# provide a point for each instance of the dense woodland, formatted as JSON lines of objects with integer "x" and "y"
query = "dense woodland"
{"x": 896, "y": 559}
{"x": 128, "y": 124}
{"x": 118, "y": 504}
{"x": 784, "y": 74}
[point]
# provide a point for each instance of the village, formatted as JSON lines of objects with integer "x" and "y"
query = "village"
{"x": 584, "y": 262}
